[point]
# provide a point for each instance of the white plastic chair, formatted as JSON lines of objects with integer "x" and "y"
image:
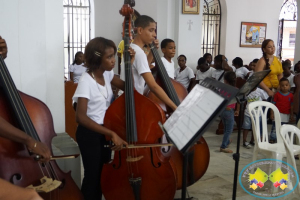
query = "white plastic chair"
{"x": 259, "y": 109}
{"x": 289, "y": 133}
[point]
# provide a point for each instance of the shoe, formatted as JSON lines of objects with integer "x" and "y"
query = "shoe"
{"x": 247, "y": 145}
{"x": 226, "y": 150}
{"x": 297, "y": 157}
{"x": 252, "y": 143}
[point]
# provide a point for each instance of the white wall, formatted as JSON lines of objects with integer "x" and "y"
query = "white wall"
{"x": 34, "y": 34}
{"x": 297, "y": 46}
{"x": 189, "y": 41}
{"x": 265, "y": 11}
{"x": 171, "y": 24}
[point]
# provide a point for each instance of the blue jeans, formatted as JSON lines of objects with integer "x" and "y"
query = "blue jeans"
{"x": 227, "y": 117}
{"x": 273, "y": 131}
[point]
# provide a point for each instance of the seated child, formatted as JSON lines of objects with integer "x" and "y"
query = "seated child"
{"x": 208, "y": 58}
{"x": 257, "y": 94}
{"x": 184, "y": 74}
{"x": 283, "y": 100}
{"x": 204, "y": 70}
{"x": 241, "y": 71}
{"x": 221, "y": 67}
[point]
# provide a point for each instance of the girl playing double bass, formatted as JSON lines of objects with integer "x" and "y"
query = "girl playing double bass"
{"x": 93, "y": 96}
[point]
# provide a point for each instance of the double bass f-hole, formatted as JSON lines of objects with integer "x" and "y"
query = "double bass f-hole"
{"x": 158, "y": 164}
{"x": 18, "y": 166}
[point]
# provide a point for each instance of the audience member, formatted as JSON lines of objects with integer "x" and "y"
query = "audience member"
{"x": 204, "y": 70}
{"x": 184, "y": 74}
{"x": 77, "y": 68}
{"x": 241, "y": 71}
{"x": 269, "y": 61}
{"x": 208, "y": 58}
{"x": 283, "y": 100}
{"x": 221, "y": 67}
{"x": 287, "y": 74}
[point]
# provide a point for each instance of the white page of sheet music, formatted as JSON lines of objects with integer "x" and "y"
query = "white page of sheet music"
{"x": 191, "y": 114}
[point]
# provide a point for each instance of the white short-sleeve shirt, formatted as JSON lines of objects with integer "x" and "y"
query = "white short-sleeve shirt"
{"x": 241, "y": 72}
{"x": 169, "y": 67}
{"x": 216, "y": 75}
{"x": 99, "y": 97}
{"x": 184, "y": 77}
{"x": 256, "y": 95}
{"x": 291, "y": 80}
{"x": 140, "y": 66}
{"x": 77, "y": 70}
{"x": 200, "y": 76}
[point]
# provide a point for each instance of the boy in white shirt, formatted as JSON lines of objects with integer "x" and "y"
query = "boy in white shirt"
{"x": 184, "y": 74}
{"x": 144, "y": 35}
{"x": 221, "y": 67}
{"x": 169, "y": 49}
{"x": 241, "y": 71}
{"x": 204, "y": 70}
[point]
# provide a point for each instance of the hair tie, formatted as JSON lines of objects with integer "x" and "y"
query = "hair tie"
{"x": 98, "y": 54}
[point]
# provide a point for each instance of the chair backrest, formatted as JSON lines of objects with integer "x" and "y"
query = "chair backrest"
{"x": 257, "y": 110}
{"x": 288, "y": 132}
{"x": 70, "y": 117}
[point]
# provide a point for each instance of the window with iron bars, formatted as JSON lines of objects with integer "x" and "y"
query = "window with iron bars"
{"x": 211, "y": 27}
{"x": 77, "y": 31}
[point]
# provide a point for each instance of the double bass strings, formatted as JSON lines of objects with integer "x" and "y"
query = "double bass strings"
{"x": 20, "y": 110}
{"x": 165, "y": 77}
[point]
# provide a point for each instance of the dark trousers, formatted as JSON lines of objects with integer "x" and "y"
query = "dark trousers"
{"x": 91, "y": 145}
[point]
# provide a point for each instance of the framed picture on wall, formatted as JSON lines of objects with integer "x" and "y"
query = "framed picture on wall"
{"x": 190, "y": 6}
{"x": 252, "y": 34}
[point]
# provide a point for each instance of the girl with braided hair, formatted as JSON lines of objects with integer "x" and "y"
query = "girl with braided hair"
{"x": 269, "y": 61}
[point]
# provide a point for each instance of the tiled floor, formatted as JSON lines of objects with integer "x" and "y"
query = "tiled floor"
{"x": 217, "y": 183}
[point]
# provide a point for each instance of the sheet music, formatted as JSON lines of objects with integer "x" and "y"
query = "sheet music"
{"x": 192, "y": 113}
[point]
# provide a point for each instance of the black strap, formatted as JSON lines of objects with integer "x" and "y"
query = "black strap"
{"x": 221, "y": 76}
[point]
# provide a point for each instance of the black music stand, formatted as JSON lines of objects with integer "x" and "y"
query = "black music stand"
{"x": 250, "y": 84}
{"x": 205, "y": 102}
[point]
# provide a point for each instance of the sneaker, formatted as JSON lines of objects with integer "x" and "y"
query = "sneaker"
{"x": 252, "y": 143}
{"x": 247, "y": 145}
{"x": 226, "y": 150}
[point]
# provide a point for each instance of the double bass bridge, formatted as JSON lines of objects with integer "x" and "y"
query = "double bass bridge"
{"x": 48, "y": 185}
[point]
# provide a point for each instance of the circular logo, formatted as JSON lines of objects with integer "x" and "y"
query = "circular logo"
{"x": 269, "y": 178}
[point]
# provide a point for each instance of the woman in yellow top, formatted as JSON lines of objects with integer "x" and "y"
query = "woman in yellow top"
{"x": 269, "y": 61}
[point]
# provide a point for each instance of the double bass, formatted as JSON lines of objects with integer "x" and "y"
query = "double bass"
{"x": 17, "y": 164}
{"x": 136, "y": 173}
{"x": 198, "y": 155}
